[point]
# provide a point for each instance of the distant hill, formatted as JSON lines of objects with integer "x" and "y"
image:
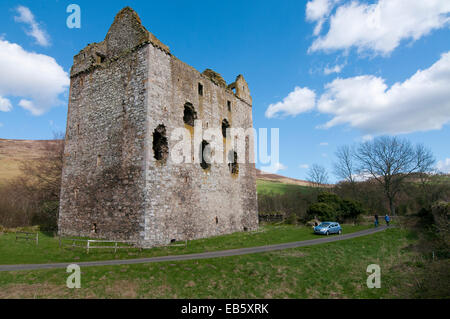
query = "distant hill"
{"x": 13, "y": 152}
{"x": 261, "y": 175}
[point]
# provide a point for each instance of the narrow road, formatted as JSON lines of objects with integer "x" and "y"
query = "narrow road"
{"x": 213, "y": 254}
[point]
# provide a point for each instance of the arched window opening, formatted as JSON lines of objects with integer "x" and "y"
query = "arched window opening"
{"x": 205, "y": 155}
{"x": 160, "y": 146}
{"x": 233, "y": 163}
{"x": 189, "y": 114}
{"x": 225, "y": 125}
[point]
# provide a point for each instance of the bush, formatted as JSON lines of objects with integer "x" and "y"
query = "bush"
{"x": 332, "y": 207}
{"x": 322, "y": 211}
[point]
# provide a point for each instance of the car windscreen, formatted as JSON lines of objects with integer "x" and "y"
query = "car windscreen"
{"x": 324, "y": 224}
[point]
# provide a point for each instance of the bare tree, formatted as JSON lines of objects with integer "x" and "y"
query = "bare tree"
{"x": 344, "y": 168}
{"x": 390, "y": 160}
{"x": 318, "y": 175}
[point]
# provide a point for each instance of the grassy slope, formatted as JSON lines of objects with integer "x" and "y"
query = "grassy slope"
{"x": 266, "y": 187}
{"x": 22, "y": 252}
{"x": 333, "y": 270}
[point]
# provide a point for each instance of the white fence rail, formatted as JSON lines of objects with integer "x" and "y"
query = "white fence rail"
{"x": 89, "y": 244}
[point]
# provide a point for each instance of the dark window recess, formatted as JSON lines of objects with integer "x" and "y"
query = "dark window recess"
{"x": 245, "y": 229}
{"x": 233, "y": 163}
{"x": 229, "y": 106}
{"x": 200, "y": 89}
{"x": 205, "y": 155}
{"x": 94, "y": 228}
{"x": 217, "y": 220}
{"x": 160, "y": 146}
{"x": 173, "y": 241}
{"x": 189, "y": 114}
{"x": 225, "y": 125}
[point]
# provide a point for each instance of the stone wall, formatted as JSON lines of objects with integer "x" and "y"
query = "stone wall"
{"x": 122, "y": 90}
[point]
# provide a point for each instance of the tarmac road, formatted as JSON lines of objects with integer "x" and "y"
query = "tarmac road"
{"x": 213, "y": 254}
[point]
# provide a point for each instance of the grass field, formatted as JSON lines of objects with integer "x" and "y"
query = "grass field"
{"x": 22, "y": 252}
{"x": 332, "y": 270}
{"x": 267, "y": 187}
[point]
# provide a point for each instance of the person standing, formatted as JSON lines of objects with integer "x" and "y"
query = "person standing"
{"x": 387, "y": 219}
{"x": 376, "y": 220}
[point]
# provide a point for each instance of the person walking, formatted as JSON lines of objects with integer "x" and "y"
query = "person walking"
{"x": 387, "y": 219}
{"x": 376, "y": 220}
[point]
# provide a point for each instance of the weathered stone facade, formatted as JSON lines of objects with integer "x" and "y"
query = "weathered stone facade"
{"x": 119, "y": 183}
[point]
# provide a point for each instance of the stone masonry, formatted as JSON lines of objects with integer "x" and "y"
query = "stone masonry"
{"x": 127, "y": 94}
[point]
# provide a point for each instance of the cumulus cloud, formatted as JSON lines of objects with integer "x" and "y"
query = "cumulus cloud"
{"x": 420, "y": 103}
{"x": 317, "y": 11}
{"x": 298, "y": 101}
{"x": 323, "y": 144}
{"x": 444, "y": 166}
{"x": 35, "y": 78}
{"x": 26, "y": 16}
{"x": 5, "y": 104}
{"x": 377, "y": 27}
{"x": 304, "y": 166}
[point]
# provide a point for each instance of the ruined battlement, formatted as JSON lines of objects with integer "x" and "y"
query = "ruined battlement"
{"x": 127, "y": 34}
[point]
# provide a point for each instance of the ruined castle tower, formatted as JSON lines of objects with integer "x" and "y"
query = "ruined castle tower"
{"x": 127, "y": 94}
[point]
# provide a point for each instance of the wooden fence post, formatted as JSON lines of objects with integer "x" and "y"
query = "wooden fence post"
{"x": 88, "y": 246}
{"x": 37, "y": 239}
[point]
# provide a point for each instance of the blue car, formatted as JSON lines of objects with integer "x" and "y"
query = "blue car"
{"x": 327, "y": 228}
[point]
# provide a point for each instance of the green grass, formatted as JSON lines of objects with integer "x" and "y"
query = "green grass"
{"x": 332, "y": 270}
{"x": 267, "y": 187}
{"x": 22, "y": 252}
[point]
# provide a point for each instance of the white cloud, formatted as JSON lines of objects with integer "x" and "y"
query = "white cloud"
{"x": 36, "y": 78}
{"x": 274, "y": 168}
{"x": 1, "y": 124}
{"x": 420, "y": 103}
{"x": 5, "y": 104}
{"x": 444, "y": 166}
{"x": 35, "y": 31}
{"x": 317, "y": 11}
{"x": 335, "y": 69}
{"x": 377, "y": 27}
{"x": 298, "y": 101}
{"x": 304, "y": 166}
{"x": 323, "y": 144}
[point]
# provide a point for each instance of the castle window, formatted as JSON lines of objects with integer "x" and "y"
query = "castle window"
{"x": 217, "y": 220}
{"x": 189, "y": 114}
{"x": 233, "y": 165}
{"x": 225, "y": 126}
{"x": 229, "y": 106}
{"x": 99, "y": 160}
{"x": 160, "y": 146}
{"x": 200, "y": 89}
{"x": 205, "y": 155}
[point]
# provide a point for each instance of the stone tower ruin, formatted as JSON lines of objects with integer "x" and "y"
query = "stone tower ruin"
{"x": 127, "y": 95}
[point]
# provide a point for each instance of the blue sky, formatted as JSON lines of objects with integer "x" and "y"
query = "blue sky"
{"x": 366, "y": 68}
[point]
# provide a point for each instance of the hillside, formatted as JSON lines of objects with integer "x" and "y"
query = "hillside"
{"x": 13, "y": 152}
